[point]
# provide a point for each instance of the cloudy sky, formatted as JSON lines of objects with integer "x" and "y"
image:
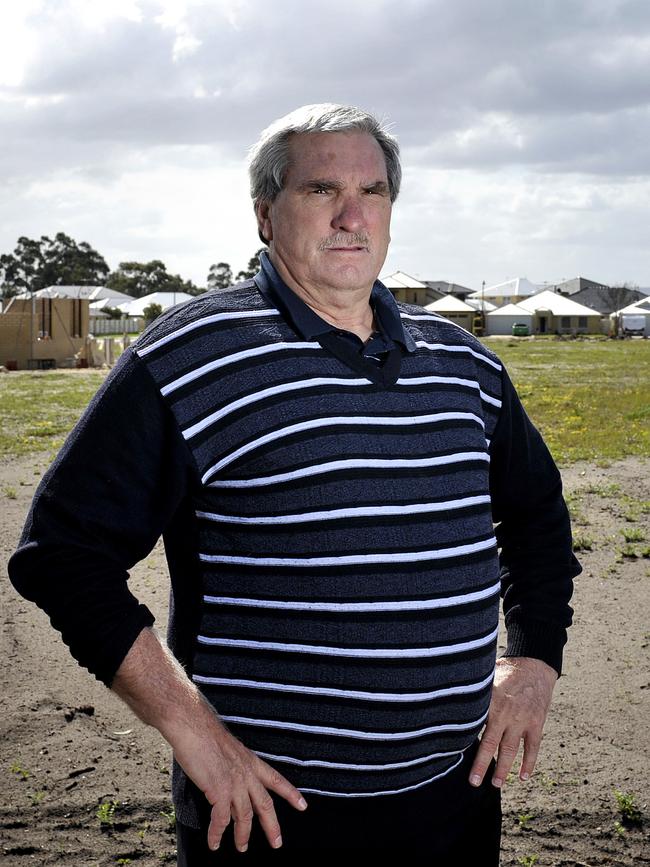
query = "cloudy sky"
{"x": 524, "y": 126}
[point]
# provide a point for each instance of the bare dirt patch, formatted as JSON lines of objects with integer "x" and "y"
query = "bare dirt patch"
{"x": 71, "y": 754}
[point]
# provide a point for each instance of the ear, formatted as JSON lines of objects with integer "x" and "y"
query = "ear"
{"x": 263, "y": 211}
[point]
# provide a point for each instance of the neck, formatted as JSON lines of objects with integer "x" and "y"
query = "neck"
{"x": 348, "y": 310}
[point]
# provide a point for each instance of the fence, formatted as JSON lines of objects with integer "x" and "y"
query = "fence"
{"x": 116, "y": 326}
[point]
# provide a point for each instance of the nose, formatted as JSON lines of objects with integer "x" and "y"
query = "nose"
{"x": 350, "y": 216}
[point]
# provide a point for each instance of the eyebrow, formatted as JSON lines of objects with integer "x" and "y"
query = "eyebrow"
{"x": 329, "y": 184}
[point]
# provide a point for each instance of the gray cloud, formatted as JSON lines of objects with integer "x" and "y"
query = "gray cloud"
{"x": 556, "y": 88}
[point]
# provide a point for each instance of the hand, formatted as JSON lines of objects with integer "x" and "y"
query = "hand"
{"x": 235, "y": 782}
{"x": 521, "y": 696}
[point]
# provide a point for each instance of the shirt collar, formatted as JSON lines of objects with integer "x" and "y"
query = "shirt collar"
{"x": 309, "y": 324}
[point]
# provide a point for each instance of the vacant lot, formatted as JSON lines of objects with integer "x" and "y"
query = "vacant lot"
{"x": 85, "y": 783}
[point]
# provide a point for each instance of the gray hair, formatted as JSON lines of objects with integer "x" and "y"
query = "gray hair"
{"x": 268, "y": 159}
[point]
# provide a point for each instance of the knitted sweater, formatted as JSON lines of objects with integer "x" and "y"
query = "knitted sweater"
{"x": 331, "y": 543}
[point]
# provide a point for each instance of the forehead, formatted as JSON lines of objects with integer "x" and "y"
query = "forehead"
{"x": 334, "y": 154}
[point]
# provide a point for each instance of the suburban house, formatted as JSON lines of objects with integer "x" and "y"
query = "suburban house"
{"x": 42, "y": 332}
{"x": 575, "y": 285}
{"x": 510, "y": 292}
{"x": 545, "y": 313}
{"x": 409, "y": 290}
{"x": 412, "y": 291}
{"x": 455, "y": 310}
{"x": 137, "y": 306}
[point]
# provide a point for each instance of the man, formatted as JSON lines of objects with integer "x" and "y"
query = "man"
{"x": 325, "y": 467}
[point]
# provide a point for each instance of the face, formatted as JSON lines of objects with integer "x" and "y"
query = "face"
{"x": 329, "y": 227}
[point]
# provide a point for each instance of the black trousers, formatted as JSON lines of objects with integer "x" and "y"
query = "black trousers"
{"x": 462, "y": 826}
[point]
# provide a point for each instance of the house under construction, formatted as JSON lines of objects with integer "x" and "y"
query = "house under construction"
{"x": 41, "y": 333}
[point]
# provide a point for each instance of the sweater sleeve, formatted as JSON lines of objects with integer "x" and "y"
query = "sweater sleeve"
{"x": 100, "y": 508}
{"x": 534, "y": 536}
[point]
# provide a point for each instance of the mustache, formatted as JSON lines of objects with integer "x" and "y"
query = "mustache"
{"x": 354, "y": 239}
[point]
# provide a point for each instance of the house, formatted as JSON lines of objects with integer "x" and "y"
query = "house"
{"x": 619, "y": 319}
{"x": 510, "y": 292}
{"x": 42, "y": 332}
{"x": 409, "y": 290}
{"x": 548, "y": 313}
{"x": 446, "y": 288}
{"x": 455, "y": 310}
{"x": 575, "y": 285}
{"x": 136, "y": 306}
{"x": 607, "y": 299}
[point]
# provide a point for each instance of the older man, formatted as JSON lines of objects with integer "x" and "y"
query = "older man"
{"x": 325, "y": 467}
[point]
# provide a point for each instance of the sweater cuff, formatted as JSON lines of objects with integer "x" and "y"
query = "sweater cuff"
{"x": 536, "y": 638}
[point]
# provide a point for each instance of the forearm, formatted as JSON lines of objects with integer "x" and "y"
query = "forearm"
{"x": 159, "y": 692}
{"x": 234, "y": 780}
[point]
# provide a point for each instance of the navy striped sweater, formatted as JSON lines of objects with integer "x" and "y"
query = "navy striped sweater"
{"x": 350, "y": 578}
{"x": 331, "y": 542}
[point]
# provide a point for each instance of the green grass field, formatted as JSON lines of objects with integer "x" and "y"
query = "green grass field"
{"x": 589, "y": 398}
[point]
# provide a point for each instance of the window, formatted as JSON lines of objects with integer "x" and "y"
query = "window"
{"x": 76, "y": 317}
{"x": 565, "y": 322}
{"x": 582, "y": 321}
{"x": 45, "y": 319}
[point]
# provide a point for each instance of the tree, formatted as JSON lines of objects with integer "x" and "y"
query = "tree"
{"x": 61, "y": 261}
{"x": 253, "y": 266}
{"x": 142, "y": 278}
{"x": 151, "y": 312}
{"x": 220, "y": 276}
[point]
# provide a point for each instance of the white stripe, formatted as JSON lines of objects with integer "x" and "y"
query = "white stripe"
{"x": 466, "y": 689}
{"x": 316, "y": 382}
{"x": 267, "y": 349}
{"x": 189, "y": 432}
{"x": 354, "y": 559}
{"x": 199, "y": 323}
{"x": 353, "y": 733}
{"x": 321, "y": 763}
{"x": 449, "y": 380}
{"x": 385, "y": 791}
{"x": 350, "y": 512}
{"x": 362, "y": 652}
{"x": 351, "y": 464}
{"x": 408, "y": 605}
{"x": 447, "y": 348}
{"x": 331, "y": 421}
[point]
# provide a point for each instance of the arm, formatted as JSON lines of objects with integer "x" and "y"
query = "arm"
{"x": 233, "y": 779}
{"x": 537, "y": 568}
{"x": 123, "y": 476}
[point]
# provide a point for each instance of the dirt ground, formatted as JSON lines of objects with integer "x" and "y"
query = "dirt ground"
{"x": 71, "y": 753}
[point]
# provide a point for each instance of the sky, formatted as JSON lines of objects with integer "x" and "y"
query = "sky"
{"x": 524, "y": 126}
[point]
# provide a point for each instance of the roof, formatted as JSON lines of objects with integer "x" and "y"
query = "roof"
{"x": 400, "y": 280}
{"x": 518, "y": 287}
{"x": 512, "y": 310}
{"x": 605, "y": 299}
{"x": 481, "y": 304}
{"x": 449, "y": 304}
{"x": 136, "y": 306}
{"x": 559, "y": 305}
{"x": 642, "y": 308}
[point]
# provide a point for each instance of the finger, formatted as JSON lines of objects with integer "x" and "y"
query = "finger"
{"x": 265, "y": 809}
{"x": 219, "y": 821}
{"x": 242, "y": 816}
{"x": 531, "y": 750}
{"x": 273, "y": 779}
{"x": 487, "y": 749}
{"x": 508, "y": 749}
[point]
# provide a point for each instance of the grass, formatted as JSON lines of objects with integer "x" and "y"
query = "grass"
{"x": 627, "y": 807}
{"x": 105, "y": 813}
{"x": 38, "y": 409}
{"x": 590, "y": 399}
